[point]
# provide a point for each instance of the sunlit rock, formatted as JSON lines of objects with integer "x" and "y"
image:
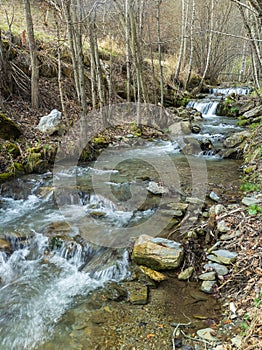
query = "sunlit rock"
{"x": 157, "y": 253}
{"x": 51, "y": 123}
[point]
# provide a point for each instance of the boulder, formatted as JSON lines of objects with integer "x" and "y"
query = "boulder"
{"x": 236, "y": 139}
{"x": 180, "y": 128}
{"x": 51, "y": 123}
{"x": 8, "y": 129}
{"x": 254, "y": 112}
{"x": 157, "y": 253}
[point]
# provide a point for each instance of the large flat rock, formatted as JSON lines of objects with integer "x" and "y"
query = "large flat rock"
{"x": 157, "y": 253}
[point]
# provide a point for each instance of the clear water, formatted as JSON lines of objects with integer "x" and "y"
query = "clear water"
{"x": 66, "y": 244}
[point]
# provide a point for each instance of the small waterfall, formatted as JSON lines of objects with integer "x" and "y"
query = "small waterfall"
{"x": 229, "y": 91}
{"x": 206, "y": 107}
{"x": 37, "y": 285}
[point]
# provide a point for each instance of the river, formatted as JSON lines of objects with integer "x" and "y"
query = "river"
{"x": 57, "y": 253}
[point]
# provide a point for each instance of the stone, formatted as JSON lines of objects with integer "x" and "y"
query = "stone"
{"x": 8, "y": 128}
{"x": 5, "y": 245}
{"x": 229, "y": 236}
{"x": 251, "y": 201}
{"x": 207, "y": 276}
{"x": 214, "y": 196}
{"x": 186, "y": 274}
{"x": 225, "y": 256}
{"x": 192, "y": 146}
{"x": 236, "y": 139}
{"x": 51, "y": 123}
{"x": 137, "y": 294}
{"x": 222, "y": 227}
{"x": 157, "y": 253}
{"x": 237, "y": 341}
{"x": 195, "y": 129}
{"x": 194, "y": 200}
{"x": 207, "y": 334}
{"x": 156, "y": 189}
{"x": 254, "y": 112}
{"x": 168, "y": 213}
{"x": 221, "y": 270}
{"x": 178, "y": 206}
{"x": 154, "y": 275}
{"x": 114, "y": 291}
{"x": 180, "y": 128}
{"x": 207, "y": 286}
{"x": 217, "y": 209}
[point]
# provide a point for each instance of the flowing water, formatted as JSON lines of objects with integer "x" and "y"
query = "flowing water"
{"x": 52, "y": 257}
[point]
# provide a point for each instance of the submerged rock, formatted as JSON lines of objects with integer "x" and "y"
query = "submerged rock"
{"x": 137, "y": 294}
{"x": 157, "y": 253}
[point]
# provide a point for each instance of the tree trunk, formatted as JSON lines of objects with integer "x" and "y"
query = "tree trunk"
{"x": 33, "y": 56}
{"x": 191, "y": 45}
{"x": 209, "y": 44}
{"x": 127, "y": 39}
{"x": 182, "y": 42}
{"x": 161, "y": 79}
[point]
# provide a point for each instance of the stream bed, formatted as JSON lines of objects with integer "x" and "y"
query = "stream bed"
{"x": 62, "y": 248}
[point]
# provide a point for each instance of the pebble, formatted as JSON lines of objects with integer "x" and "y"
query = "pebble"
{"x": 207, "y": 286}
{"x": 251, "y": 201}
{"x": 155, "y": 188}
{"x": 207, "y": 276}
{"x": 186, "y": 274}
{"x": 217, "y": 209}
{"x": 214, "y": 196}
{"x": 221, "y": 270}
{"x": 237, "y": 341}
{"x": 206, "y": 334}
{"x": 223, "y": 256}
{"x": 222, "y": 227}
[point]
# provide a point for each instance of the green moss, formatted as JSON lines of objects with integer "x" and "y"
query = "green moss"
{"x": 243, "y": 122}
{"x": 8, "y": 128}
{"x": 100, "y": 140}
{"x": 13, "y": 149}
{"x": 182, "y": 102}
{"x": 6, "y": 176}
{"x": 19, "y": 166}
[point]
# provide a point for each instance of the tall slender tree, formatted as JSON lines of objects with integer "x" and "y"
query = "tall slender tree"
{"x": 33, "y": 56}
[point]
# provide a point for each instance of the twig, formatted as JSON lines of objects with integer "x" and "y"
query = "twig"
{"x": 175, "y": 330}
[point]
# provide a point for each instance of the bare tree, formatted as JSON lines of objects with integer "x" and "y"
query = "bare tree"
{"x": 33, "y": 56}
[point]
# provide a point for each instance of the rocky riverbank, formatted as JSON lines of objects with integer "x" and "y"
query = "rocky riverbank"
{"x": 221, "y": 255}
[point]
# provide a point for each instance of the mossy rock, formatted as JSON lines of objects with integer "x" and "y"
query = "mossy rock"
{"x": 8, "y": 129}
{"x": 6, "y": 176}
